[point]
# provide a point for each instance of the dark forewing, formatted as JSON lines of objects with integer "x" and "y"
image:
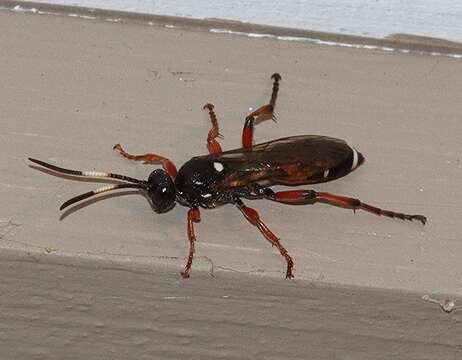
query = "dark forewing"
{"x": 295, "y": 160}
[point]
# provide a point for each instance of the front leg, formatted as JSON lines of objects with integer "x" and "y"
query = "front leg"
{"x": 194, "y": 215}
{"x": 297, "y": 197}
{"x": 149, "y": 158}
{"x": 264, "y": 112}
{"x": 252, "y": 216}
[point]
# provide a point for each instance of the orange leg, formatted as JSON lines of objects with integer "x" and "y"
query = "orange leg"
{"x": 252, "y": 216}
{"x": 310, "y": 196}
{"x": 193, "y": 216}
{"x": 247, "y": 133}
{"x": 264, "y": 112}
{"x": 212, "y": 144}
{"x": 149, "y": 158}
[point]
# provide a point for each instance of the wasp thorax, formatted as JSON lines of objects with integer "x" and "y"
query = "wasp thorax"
{"x": 161, "y": 191}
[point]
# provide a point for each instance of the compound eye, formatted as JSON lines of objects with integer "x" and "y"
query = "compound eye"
{"x": 163, "y": 199}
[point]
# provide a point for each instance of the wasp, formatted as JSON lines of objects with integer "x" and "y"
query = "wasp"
{"x": 228, "y": 177}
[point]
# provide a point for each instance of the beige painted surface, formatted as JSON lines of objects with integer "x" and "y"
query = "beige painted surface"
{"x": 72, "y": 88}
{"x": 100, "y": 310}
{"x": 103, "y": 282}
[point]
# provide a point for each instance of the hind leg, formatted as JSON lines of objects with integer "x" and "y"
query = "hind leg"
{"x": 264, "y": 112}
{"x": 297, "y": 197}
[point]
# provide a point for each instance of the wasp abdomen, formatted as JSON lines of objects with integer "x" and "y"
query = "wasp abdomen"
{"x": 350, "y": 163}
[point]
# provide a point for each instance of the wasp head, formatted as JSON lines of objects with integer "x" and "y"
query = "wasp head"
{"x": 161, "y": 191}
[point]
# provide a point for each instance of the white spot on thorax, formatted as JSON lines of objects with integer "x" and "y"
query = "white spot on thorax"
{"x": 326, "y": 173}
{"x": 355, "y": 158}
{"x": 218, "y": 166}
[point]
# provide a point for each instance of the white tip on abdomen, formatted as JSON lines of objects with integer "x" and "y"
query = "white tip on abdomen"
{"x": 354, "y": 164}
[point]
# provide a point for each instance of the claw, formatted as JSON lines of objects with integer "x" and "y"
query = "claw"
{"x": 276, "y": 77}
{"x": 420, "y": 218}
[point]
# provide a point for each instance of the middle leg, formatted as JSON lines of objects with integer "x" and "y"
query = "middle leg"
{"x": 212, "y": 144}
{"x": 252, "y": 216}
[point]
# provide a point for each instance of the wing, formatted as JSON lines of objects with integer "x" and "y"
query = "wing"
{"x": 295, "y": 160}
